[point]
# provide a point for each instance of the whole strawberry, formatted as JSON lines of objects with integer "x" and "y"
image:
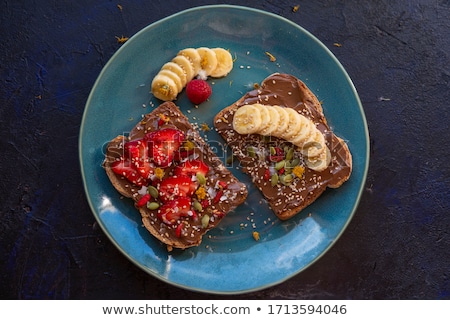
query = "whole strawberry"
{"x": 198, "y": 91}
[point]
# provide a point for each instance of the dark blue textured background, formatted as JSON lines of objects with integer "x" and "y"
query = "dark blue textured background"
{"x": 396, "y": 247}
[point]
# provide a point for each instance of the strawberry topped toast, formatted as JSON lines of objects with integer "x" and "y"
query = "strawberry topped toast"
{"x": 180, "y": 187}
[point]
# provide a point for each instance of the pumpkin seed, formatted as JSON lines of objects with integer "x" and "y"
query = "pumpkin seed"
{"x": 205, "y": 221}
{"x": 251, "y": 152}
{"x": 274, "y": 180}
{"x": 290, "y": 154}
{"x": 153, "y": 205}
{"x": 198, "y": 206}
{"x": 286, "y": 179}
{"x": 153, "y": 192}
{"x": 273, "y": 151}
{"x": 201, "y": 178}
{"x": 295, "y": 162}
{"x": 288, "y": 164}
{"x": 280, "y": 164}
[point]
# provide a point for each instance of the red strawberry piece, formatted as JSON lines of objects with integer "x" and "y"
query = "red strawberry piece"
{"x": 178, "y": 230}
{"x": 205, "y": 203}
{"x": 126, "y": 169}
{"x": 171, "y": 211}
{"x": 163, "y": 119}
{"x": 138, "y": 154}
{"x": 194, "y": 215}
{"x": 184, "y": 152}
{"x": 176, "y": 186}
{"x": 198, "y": 91}
{"x": 181, "y": 154}
{"x": 218, "y": 195}
{"x": 191, "y": 168}
{"x": 222, "y": 184}
{"x": 162, "y": 145}
{"x": 143, "y": 200}
{"x": 267, "y": 175}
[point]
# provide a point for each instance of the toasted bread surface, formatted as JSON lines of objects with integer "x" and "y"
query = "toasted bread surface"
{"x": 293, "y": 189}
{"x": 187, "y": 231}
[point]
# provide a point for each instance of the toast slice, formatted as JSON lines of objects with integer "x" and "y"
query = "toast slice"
{"x": 180, "y": 187}
{"x": 280, "y": 169}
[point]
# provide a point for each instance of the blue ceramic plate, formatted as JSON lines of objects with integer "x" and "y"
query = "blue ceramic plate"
{"x": 229, "y": 260}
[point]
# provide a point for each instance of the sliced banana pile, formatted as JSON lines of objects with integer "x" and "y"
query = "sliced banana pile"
{"x": 287, "y": 124}
{"x": 188, "y": 63}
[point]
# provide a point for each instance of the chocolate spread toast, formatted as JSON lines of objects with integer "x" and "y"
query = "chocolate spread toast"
{"x": 281, "y": 170}
{"x": 180, "y": 187}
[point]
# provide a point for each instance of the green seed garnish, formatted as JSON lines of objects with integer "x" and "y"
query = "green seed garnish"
{"x": 290, "y": 154}
{"x": 152, "y": 205}
{"x": 286, "y": 179}
{"x": 295, "y": 162}
{"x": 280, "y": 164}
{"x": 274, "y": 180}
{"x": 251, "y": 152}
{"x": 201, "y": 178}
{"x": 273, "y": 151}
{"x": 153, "y": 192}
{"x": 198, "y": 206}
{"x": 205, "y": 221}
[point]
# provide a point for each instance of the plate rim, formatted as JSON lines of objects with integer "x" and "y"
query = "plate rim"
{"x": 364, "y": 170}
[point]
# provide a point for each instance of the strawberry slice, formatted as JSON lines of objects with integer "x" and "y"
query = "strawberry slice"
{"x": 138, "y": 154}
{"x": 176, "y": 186}
{"x": 191, "y": 168}
{"x": 126, "y": 169}
{"x": 162, "y": 145}
{"x": 143, "y": 200}
{"x": 187, "y": 149}
{"x": 179, "y": 230}
{"x": 171, "y": 211}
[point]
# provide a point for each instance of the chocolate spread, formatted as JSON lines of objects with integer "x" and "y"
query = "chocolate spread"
{"x": 286, "y": 200}
{"x": 234, "y": 193}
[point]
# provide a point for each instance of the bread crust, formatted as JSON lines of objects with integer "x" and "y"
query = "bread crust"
{"x": 237, "y": 191}
{"x": 287, "y": 91}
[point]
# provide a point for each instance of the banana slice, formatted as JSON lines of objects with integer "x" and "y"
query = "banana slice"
{"x": 194, "y": 57}
{"x": 314, "y": 145}
{"x": 247, "y": 119}
{"x": 172, "y": 66}
{"x": 288, "y": 124}
{"x": 164, "y": 88}
{"x": 304, "y": 133}
{"x": 294, "y": 126}
{"x": 321, "y": 162}
{"x": 174, "y": 77}
{"x": 208, "y": 60}
{"x": 272, "y": 123}
{"x": 186, "y": 65}
{"x": 265, "y": 117}
{"x": 283, "y": 121}
{"x": 224, "y": 63}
